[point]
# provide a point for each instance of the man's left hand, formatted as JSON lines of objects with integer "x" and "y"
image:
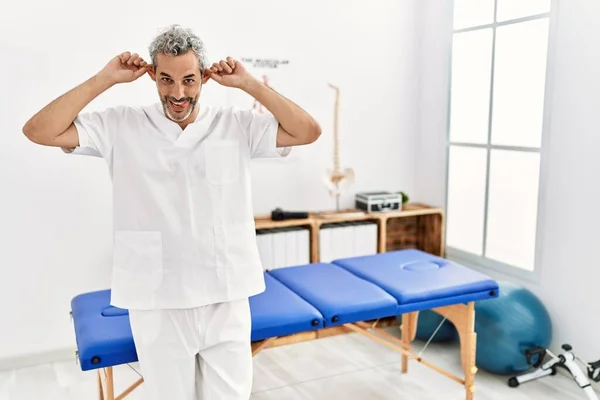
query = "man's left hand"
{"x": 230, "y": 72}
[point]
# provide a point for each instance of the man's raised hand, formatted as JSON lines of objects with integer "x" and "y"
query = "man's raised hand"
{"x": 229, "y": 72}
{"x": 126, "y": 67}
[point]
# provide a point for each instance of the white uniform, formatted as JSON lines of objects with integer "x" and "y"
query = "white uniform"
{"x": 185, "y": 252}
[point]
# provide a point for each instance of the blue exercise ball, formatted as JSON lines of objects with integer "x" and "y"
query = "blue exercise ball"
{"x": 508, "y": 325}
{"x": 427, "y": 324}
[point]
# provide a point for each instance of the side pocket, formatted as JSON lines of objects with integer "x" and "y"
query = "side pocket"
{"x": 137, "y": 259}
{"x": 222, "y": 161}
{"x": 241, "y": 248}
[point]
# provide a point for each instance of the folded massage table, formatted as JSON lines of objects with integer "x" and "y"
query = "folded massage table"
{"x": 350, "y": 294}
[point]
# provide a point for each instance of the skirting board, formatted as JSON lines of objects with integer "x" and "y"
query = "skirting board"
{"x": 35, "y": 359}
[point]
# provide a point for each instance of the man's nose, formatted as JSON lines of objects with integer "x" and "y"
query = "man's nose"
{"x": 178, "y": 91}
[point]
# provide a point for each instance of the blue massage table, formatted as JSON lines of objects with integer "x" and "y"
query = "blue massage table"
{"x": 350, "y": 294}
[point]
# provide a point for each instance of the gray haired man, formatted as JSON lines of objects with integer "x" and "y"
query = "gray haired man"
{"x": 185, "y": 254}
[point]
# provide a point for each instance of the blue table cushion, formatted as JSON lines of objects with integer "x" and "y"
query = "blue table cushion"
{"x": 339, "y": 295}
{"x": 304, "y": 298}
{"x": 103, "y": 333}
{"x": 278, "y": 311}
{"x": 414, "y": 276}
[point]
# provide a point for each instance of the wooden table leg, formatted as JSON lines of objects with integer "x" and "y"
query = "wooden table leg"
{"x": 463, "y": 318}
{"x": 468, "y": 341}
{"x": 409, "y": 331}
{"x": 100, "y": 387}
{"x": 110, "y": 387}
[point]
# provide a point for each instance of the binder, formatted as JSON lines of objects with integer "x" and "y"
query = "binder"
{"x": 283, "y": 247}
{"x": 347, "y": 239}
{"x": 290, "y": 246}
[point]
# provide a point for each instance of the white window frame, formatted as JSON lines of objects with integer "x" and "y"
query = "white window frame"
{"x": 482, "y": 263}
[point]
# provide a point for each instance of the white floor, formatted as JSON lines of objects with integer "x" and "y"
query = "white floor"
{"x": 347, "y": 366}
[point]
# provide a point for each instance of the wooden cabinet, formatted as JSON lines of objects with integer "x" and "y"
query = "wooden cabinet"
{"x": 416, "y": 226}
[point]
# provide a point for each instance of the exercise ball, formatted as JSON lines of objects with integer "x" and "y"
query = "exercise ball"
{"x": 508, "y": 325}
{"x": 427, "y": 323}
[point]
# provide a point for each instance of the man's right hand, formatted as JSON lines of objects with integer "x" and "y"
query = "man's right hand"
{"x": 126, "y": 67}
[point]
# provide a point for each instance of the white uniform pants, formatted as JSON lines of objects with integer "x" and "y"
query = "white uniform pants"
{"x": 199, "y": 353}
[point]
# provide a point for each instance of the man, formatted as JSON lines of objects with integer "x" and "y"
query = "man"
{"x": 185, "y": 253}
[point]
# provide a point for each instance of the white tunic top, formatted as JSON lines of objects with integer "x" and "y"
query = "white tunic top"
{"x": 184, "y": 233}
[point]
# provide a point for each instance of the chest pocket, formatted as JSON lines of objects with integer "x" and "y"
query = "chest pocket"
{"x": 223, "y": 161}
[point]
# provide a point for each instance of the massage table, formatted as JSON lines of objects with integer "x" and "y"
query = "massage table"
{"x": 352, "y": 294}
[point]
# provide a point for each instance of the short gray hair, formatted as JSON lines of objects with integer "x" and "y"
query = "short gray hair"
{"x": 176, "y": 40}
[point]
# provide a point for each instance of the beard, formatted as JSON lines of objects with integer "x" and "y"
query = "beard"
{"x": 179, "y": 111}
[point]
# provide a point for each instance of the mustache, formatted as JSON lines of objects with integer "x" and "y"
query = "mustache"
{"x": 179, "y": 100}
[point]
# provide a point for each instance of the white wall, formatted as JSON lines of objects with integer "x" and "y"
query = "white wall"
{"x": 55, "y": 209}
{"x": 570, "y": 252}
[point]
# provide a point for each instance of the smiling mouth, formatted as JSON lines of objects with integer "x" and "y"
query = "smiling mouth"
{"x": 179, "y": 105}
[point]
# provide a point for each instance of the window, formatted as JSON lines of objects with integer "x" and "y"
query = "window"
{"x": 496, "y": 116}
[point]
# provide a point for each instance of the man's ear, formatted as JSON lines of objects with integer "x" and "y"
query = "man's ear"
{"x": 205, "y": 76}
{"x": 151, "y": 72}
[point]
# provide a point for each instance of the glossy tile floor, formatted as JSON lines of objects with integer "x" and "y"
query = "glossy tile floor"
{"x": 341, "y": 367}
